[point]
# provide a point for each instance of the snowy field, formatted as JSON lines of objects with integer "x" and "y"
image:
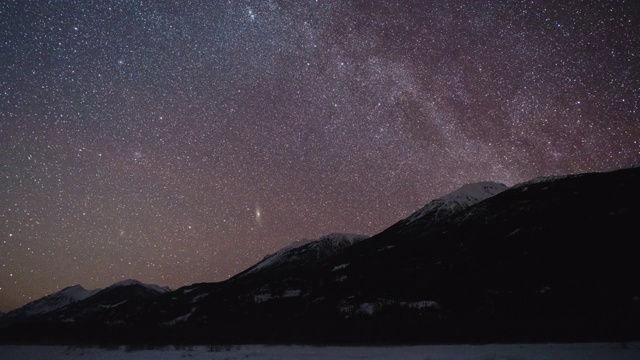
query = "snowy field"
{"x": 600, "y": 351}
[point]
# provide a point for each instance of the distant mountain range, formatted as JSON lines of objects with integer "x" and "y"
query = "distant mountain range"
{"x": 553, "y": 259}
{"x": 69, "y": 296}
{"x": 52, "y": 302}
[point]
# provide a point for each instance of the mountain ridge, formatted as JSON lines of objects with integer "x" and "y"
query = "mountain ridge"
{"x": 459, "y": 199}
{"x": 323, "y": 246}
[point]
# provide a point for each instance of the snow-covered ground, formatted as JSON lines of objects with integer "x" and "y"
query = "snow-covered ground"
{"x": 599, "y": 351}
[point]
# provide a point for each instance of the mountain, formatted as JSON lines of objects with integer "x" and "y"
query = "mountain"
{"x": 51, "y": 302}
{"x": 552, "y": 259}
{"x": 467, "y": 195}
{"x": 447, "y": 205}
{"x": 74, "y": 303}
{"x": 131, "y": 282}
{"x": 115, "y": 295}
{"x": 306, "y": 251}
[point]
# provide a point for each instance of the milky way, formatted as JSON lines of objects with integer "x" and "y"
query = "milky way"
{"x": 181, "y": 142}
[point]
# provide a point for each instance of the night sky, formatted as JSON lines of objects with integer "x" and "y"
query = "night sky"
{"x": 181, "y": 142}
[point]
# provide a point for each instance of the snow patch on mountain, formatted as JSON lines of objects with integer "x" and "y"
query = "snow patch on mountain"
{"x": 180, "y": 319}
{"x": 262, "y": 297}
{"x": 112, "y": 306}
{"x": 339, "y": 267}
{"x": 292, "y": 293}
{"x": 346, "y": 307}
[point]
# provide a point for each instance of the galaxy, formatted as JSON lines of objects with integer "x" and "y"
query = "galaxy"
{"x": 177, "y": 142}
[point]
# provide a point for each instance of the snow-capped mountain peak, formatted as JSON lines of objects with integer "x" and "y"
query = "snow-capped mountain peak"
{"x": 53, "y": 302}
{"x": 460, "y": 199}
{"x": 308, "y": 250}
{"x": 475, "y": 192}
{"x": 131, "y": 282}
{"x": 77, "y": 292}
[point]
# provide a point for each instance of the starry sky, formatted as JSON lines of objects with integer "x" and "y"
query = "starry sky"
{"x": 181, "y": 142}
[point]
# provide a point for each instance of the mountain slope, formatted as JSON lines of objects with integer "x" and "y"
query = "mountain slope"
{"x": 307, "y": 251}
{"x": 458, "y": 200}
{"x": 448, "y": 205}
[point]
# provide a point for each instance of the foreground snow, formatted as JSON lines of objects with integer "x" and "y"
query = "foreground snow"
{"x": 610, "y": 351}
